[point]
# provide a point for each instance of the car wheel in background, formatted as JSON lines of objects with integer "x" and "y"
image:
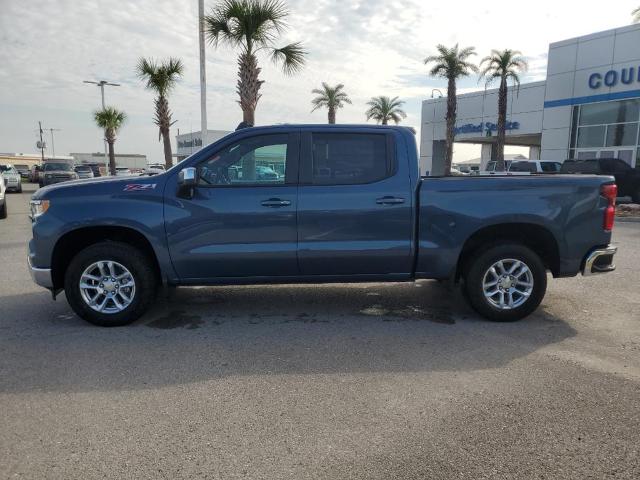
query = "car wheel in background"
{"x": 110, "y": 284}
{"x": 3, "y": 210}
{"x": 506, "y": 282}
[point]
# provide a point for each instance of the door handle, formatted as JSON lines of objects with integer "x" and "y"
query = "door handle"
{"x": 275, "y": 203}
{"x": 390, "y": 201}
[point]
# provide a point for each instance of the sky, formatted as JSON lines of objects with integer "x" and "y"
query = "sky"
{"x": 374, "y": 47}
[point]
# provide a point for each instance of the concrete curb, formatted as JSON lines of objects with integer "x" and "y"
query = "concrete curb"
{"x": 628, "y": 219}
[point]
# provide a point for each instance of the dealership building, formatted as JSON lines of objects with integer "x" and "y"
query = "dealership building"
{"x": 588, "y": 107}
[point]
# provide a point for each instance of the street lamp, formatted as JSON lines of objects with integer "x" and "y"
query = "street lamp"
{"x": 101, "y": 84}
{"x": 203, "y": 75}
{"x": 436, "y": 90}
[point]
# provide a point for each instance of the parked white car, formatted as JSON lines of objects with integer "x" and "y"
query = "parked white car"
{"x": 523, "y": 167}
{"x": 12, "y": 178}
{"x": 123, "y": 172}
{"x": 154, "y": 169}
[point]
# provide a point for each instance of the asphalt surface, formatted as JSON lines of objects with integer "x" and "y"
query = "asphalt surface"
{"x": 396, "y": 381}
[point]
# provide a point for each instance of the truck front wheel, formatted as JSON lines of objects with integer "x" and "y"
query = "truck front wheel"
{"x": 110, "y": 284}
{"x": 506, "y": 282}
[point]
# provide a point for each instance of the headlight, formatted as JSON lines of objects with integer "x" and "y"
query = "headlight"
{"x": 48, "y": 175}
{"x": 38, "y": 207}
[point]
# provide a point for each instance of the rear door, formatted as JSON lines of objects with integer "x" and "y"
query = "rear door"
{"x": 355, "y": 206}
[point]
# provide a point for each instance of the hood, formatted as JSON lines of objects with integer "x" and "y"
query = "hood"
{"x": 104, "y": 184}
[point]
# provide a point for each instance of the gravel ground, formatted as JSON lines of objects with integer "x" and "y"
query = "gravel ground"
{"x": 398, "y": 381}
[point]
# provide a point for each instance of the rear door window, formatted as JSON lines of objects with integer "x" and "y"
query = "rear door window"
{"x": 349, "y": 159}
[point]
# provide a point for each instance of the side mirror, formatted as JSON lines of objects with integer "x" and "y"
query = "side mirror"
{"x": 187, "y": 181}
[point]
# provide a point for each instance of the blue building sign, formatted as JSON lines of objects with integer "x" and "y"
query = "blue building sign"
{"x": 611, "y": 78}
{"x": 487, "y": 127}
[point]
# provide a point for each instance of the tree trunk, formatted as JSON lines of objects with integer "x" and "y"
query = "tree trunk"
{"x": 502, "y": 122}
{"x": 168, "y": 156}
{"x": 385, "y": 121}
{"x": 248, "y": 86}
{"x": 112, "y": 157}
{"x": 332, "y": 115}
{"x": 452, "y": 106}
{"x": 163, "y": 120}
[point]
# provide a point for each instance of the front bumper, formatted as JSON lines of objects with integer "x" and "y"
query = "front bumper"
{"x": 41, "y": 276}
{"x": 600, "y": 261}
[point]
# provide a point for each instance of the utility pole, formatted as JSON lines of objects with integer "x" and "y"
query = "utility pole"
{"x": 41, "y": 141}
{"x": 53, "y": 145}
{"x": 101, "y": 84}
{"x": 203, "y": 76}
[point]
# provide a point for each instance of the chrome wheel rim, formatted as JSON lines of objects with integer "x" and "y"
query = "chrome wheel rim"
{"x": 508, "y": 284}
{"x": 107, "y": 287}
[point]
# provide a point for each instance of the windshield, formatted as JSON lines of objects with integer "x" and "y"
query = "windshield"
{"x": 65, "y": 167}
{"x": 7, "y": 169}
{"x": 83, "y": 169}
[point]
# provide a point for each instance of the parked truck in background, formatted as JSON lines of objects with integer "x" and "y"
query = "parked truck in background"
{"x": 350, "y": 207}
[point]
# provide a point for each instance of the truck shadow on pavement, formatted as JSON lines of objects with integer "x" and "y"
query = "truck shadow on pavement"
{"x": 202, "y": 334}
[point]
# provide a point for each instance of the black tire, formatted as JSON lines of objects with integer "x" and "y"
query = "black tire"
{"x": 3, "y": 210}
{"x": 636, "y": 196}
{"x": 20, "y": 189}
{"x": 138, "y": 264}
{"x": 478, "y": 268}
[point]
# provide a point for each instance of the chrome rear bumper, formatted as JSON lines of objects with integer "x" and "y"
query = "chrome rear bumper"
{"x": 41, "y": 276}
{"x": 600, "y": 261}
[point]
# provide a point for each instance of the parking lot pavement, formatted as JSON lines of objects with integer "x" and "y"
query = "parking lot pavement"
{"x": 396, "y": 381}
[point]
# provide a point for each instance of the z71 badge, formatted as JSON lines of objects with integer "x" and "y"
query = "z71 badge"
{"x": 139, "y": 187}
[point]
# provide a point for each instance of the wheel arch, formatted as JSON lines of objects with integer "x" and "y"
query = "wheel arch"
{"x": 78, "y": 239}
{"x": 536, "y": 237}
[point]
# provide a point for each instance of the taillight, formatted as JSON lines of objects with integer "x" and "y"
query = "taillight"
{"x": 610, "y": 192}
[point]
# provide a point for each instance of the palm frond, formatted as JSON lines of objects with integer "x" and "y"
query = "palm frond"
{"x": 110, "y": 118}
{"x": 636, "y": 15}
{"x": 291, "y": 57}
{"x": 451, "y": 63}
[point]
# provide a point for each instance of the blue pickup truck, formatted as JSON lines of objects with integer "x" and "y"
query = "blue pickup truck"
{"x": 316, "y": 204}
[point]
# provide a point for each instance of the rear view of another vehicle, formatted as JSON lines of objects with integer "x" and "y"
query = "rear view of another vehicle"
{"x": 123, "y": 172}
{"x": 12, "y": 179}
{"x": 83, "y": 171}
{"x": 56, "y": 172}
{"x": 23, "y": 170}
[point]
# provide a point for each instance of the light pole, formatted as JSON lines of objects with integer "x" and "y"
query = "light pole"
{"x": 101, "y": 84}
{"x": 203, "y": 75}
{"x": 434, "y": 91}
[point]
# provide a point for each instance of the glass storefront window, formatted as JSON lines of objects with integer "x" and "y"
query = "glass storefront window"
{"x": 622, "y": 135}
{"x": 589, "y": 137}
{"x": 610, "y": 112}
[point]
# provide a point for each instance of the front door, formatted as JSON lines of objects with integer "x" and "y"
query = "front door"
{"x": 355, "y": 206}
{"x": 241, "y": 221}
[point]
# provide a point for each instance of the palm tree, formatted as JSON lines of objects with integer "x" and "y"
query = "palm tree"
{"x": 504, "y": 65}
{"x": 162, "y": 78}
{"x": 331, "y": 97}
{"x": 636, "y": 15}
{"x": 252, "y": 26}
{"x": 110, "y": 120}
{"x": 382, "y": 109}
{"x": 452, "y": 64}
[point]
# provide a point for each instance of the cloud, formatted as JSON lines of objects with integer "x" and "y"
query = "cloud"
{"x": 374, "y": 47}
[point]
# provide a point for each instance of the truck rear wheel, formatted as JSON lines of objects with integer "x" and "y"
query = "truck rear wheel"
{"x": 506, "y": 282}
{"x": 110, "y": 284}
